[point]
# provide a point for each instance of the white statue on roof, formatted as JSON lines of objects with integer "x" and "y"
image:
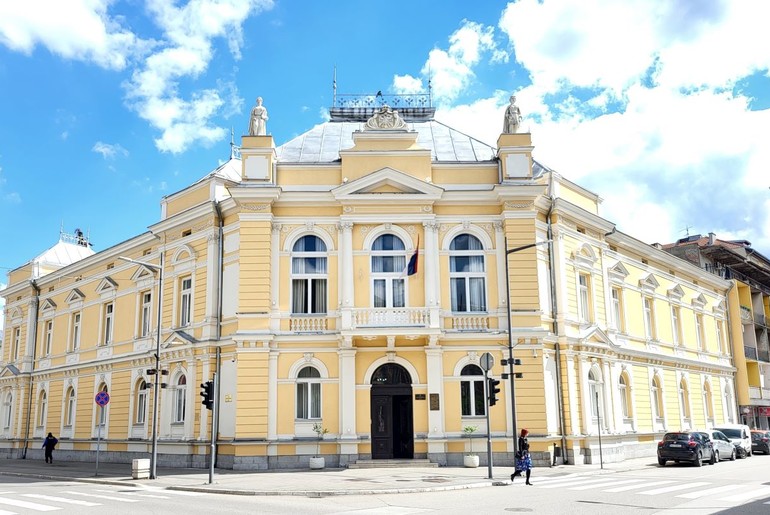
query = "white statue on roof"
{"x": 512, "y": 117}
{"x": 385, "y": 118}
{"x": 258, "y": 120}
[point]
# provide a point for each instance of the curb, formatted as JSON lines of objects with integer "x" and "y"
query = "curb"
{"x": 94, "y": 480}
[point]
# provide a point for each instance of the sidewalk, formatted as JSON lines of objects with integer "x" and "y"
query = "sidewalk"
{"x": 303, "y": 482}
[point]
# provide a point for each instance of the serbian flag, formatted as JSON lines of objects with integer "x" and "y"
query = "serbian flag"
{"x": 411, "y": 266}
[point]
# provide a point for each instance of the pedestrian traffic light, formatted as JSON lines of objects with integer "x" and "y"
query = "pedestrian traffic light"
{"x": 207, "y": 393}
{"x": 493, "y": 385}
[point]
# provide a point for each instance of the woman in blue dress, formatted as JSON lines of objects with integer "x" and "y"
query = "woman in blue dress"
{"x": 523, "y": 459}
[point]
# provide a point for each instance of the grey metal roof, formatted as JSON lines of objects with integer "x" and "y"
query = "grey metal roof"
{"x": 322, "y": 143}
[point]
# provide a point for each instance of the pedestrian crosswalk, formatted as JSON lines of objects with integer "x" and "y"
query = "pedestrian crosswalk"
{"x": 67, "y": 499}
{"x": 729, "y": 494}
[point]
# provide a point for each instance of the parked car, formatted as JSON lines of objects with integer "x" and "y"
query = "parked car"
{"x": 740, "y": 434}
{"x": 692, "y": 446}
{"x": 724, "y": 448}
{"x": 760, "y": 441}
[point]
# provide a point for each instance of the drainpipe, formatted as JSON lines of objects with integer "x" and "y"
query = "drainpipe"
{"x": 730, "y": 339}
{"x": 36, "y": 303}
{"x": 554, "y": 313}
{"x": 218, "y": 334}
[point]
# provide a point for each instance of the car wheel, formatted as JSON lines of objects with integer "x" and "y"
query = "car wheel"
{"x": 699, "y": 459}
{"x": 661, "y": 462}
{"x": 732, "y": 455}
{"x": 714, "y": 457}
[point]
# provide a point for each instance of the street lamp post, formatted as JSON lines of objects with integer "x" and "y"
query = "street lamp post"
{"x": 156, "y": 394}
{"x": 508, "y": 252}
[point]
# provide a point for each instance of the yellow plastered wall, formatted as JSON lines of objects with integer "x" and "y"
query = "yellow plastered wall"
{"x": 522, "y": 265}
{"x": 530, "y": 394}
{"x": 254, "y": 291}
{"x": 120, "y": 396}
{"x": 641, "y": 398}
{"x": 251, "y": 388}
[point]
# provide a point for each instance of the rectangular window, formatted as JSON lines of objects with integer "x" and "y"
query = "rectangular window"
{"x": 649, "y": 325}
{"x": 584, "y": 298}
{"x": 141, "y": 406}
{"x": 617, "y": 308}
{"x": 70, "y": 410}
{"x": 185, "y": 303}
{"x": 108, "y": 312}
{"x": 48, "y": 337}
{"x": 676, "y": 325}
{"x": 16, "y": 343}
{"x": 75, "y": 344}
{"x": 699, "y": 331}
{"x": 146, "y": 313}
{"x": 308, "y": 400}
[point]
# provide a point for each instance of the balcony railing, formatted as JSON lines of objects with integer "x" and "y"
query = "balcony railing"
{"x": 390, "y": 317}
{"x": 470, "y": 322}
{"x": 750, "y": 352}
{"x": 759, "y": 393}
{"x": 308, "y": 324}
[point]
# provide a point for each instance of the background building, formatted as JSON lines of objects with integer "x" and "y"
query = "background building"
{"x": 350, "y": 280}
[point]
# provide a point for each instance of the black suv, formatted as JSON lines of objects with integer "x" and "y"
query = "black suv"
{"x": 686, "y": 446}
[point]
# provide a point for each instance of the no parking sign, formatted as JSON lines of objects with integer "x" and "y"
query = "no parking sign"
{"x": 102, "y": 399}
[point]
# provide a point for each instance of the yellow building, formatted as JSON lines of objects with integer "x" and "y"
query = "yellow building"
{"x": 351, "y": 280}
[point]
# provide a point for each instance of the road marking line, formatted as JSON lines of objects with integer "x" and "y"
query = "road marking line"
{"x": 557, "y": 478}
{"x": 745, "y": 496}
{"x": 181, "y": 492}
{"x": 576, "y": 482}
{"x": 28, "y": 505}
{"x": 633, "y": 487}
{"x": 606, "y": 483}
{"x": 673, "y": 488}
{"x": 3, "y": 512}
{"x": 65, "y": 500}
{"x": 713, "y": 491}
{"x": 108, "y": 497}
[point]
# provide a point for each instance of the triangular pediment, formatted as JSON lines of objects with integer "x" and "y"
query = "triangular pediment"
{"x": 9, "y": 371}
{"x": 676, "y": 292}
{"x": 618, "y": 270}
{"x": 387, "y": 182}
{"x": 178, "y": 338}
{"x": 106, "y": 285}
{"x": 143, "y": 273}
{"x": 48, "y": 304}
{"x": 648, "y": 282}
{"x": 699, "y": 301}
{"x": 594, "y": 336}
{"x": 74, "y": 296}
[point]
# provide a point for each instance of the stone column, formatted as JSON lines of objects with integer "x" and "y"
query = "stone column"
{"x": 502, "y": 291}
{"x": 435, "y": 381}
{"x": 275, "y": 277}
{"x": 347, "y": 357}
{"x": 345, "y": 266}
{"x": 211, "y": 316}
{"x": 610, "y": 398}
{"x": 272, "y": 398}
{"x": 431, "y": 268}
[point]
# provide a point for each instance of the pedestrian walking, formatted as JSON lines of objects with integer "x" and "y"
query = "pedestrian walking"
{"x": 48, "y": 444}
{"x": 523, "y": 459}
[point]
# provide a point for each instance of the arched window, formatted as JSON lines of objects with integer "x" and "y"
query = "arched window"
{"x": 180, "y": 399}
{"x": 624, "y": 395}
{"x": 708, "y": 402}
{"x": 729, "y": 405}
{"x": 657, "y": 398}
{"x": 308, "y": 393}
{"x": 388, "y": 264}
{"x": 140, "y": 416}
{"x": 69, "y": 413}
{"x": 472, "y": 391}
{"x": 308, "y": 275}
{"x": 594, "y": 387}
{"x": 467, "y": 275}
{"x": 42, "y": 409}
{"x": 684, "y": 398}
{"x": 7, "y": 408}
{"x": 103, "y": 410}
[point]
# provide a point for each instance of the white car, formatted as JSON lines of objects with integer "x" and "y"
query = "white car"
{"x": 724, "y": 448}
{"x": 740, "y": 434}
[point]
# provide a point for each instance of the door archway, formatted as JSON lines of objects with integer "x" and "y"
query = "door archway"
{"x": 391, "y": 413}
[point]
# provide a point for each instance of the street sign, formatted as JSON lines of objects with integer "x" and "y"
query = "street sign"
{"x": 487, "y": 361}
{"x": 102, "y": 399}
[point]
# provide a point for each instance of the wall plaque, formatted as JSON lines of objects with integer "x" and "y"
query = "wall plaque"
{"x": 434, "y": 402}
{"x": 419, "y": 396}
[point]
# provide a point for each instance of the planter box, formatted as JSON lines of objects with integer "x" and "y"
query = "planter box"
{"x": 471, "y": 461}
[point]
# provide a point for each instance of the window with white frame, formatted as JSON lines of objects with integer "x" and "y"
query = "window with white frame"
{"x": 16, "y": 343}
{"x": 584, "y": 297}
{"x": 69, "y": 410}
{"x": 308, "y": 393}
{"x": 109, "y": 309}
{"x": 103, "y": 409}
{"x": 48, "y": 339}
{"x": 624, "y": 395}
{"x": 676, "y": 325}
{"x": 185, "y": 302}
{"x": 388, "y": 264}
{"x": 594, "y": 388}
{"x": 657, "y": 398}
{"x": 684, "y": 399}
{"x": 140, "y": 415}
{"x": 472, "y": 391}
{"x": 145, "y": 322}
{"x": 7, "y": 409}
{"x": 649, "y": 317}
{"x": 180, "y": 399}
{"x": 75, "y": 341}
{"x": 467, "y": 275}
{"x": 309, "y": 276}
{"x": 42, "y": 408}
{"x": 617, "y": 308}
{"x": 699, "y": 331}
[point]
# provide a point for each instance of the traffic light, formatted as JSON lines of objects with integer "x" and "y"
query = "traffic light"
{"x": 207, "y": 393}
{"x": 493, "y": 386}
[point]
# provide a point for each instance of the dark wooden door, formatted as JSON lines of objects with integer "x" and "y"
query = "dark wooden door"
{"x": 382, "y": 426}
{"x": 392, "y": 422}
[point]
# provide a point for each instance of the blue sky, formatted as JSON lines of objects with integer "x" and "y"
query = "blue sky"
{"x": 662, "y": 108}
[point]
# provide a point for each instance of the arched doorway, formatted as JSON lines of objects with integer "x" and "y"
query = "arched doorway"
{"x": 391, "y": 402}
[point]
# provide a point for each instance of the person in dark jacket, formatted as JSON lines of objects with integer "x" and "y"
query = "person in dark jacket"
{"x": 523, "y": 460}
{"x": 48, "y": 444}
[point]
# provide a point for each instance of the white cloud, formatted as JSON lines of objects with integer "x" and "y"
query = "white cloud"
{"x": 75, "y": 29}
{"x": 109, "y": 151}
{"x": 2, "y": 310}
{"x": 407, "y": 85}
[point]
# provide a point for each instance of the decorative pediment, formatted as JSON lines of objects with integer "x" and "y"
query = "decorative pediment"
{"x": 75, "y": 296}
{"x": 9, "y": 371}
{"x": 48, "y": 305}
{"x": 387, "y": 183}
{"x": 183, "y": 253}
{"x": 597, "y": 337}
{"x": 676, "y": 292}
{"x": 699, "y": 301}
{"x": 143, "y": 274}
{"x": 106, "y": 285}
{"x": 584, "y": 256}
{"x": 178, "y": 338}
{"x": 386, "y": 119}
{"x": 648, "y": 283}
{"x": 618, "y": 272}
{"x": 16, "y": 316}
{"x": 720, "y": 307}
